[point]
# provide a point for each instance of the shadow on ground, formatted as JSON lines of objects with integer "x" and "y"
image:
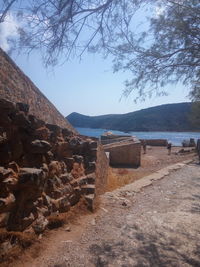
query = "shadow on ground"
{"x": 144, "y": 249}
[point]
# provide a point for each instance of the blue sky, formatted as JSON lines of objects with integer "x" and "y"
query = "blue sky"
{"x": 89, "y": 86}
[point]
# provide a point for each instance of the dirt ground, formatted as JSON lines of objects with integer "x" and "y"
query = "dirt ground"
{"x": 155, "y": 159}
{"x": 157, "y": 226}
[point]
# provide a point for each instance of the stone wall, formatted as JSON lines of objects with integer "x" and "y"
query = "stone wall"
{"x": 17, "y": 87}
{"x": 155, "y": 142}
{"x": 124, "y": 154}
{"x": 109, "y": 139}
{"x": 102, "y": 167}
{"x": 44, "y": 169}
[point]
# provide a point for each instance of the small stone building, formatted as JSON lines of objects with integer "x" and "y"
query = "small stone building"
{"x": 124, "y": 151}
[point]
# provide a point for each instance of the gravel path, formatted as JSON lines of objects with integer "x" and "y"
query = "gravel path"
{"x": 157, "y": 226}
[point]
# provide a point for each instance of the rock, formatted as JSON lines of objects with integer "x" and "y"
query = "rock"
{"x": 66, "y": 132}
{"x": 14, "y": 166}
{"x": 66, "y": 178}
{"x": 63, "y": 166}
{"x": 5, "y": 120}
{"x": 27, "y": 221}
{"x": 91, "y": 179}
{"x": 49, "y": 156}
{"x": 22, "y": 107}
{"x": 88, "y": 189}
{"x": 2, "y": 131}
{"x": 5, "y": 248}
{"x": 91, "y": 167}
{"x": 4, "y": 219}
{"x": 5, "y": 173}
{"x": 46, "y": 200}
{"x": 78, "y": 170}
{"x": 90, "y": 201}
{"x": 69, "y": 162}
{"x": 11, "y": 183}
{"x": 78, "y": 159}
{"x": 93, "y": 145}
{"x": 94, "y": 153}
{"x": 40, "y": 224}
{"x": 6, "y": 204}
{"x": 68, "y": 229}
{"x": 93, "y": 222}
{"x": 75, "y": 141}
{"x": 45, "y": 168}
{"x": 17, "y": 150}
{"x": 44, "y": 211}
{"x": 21, "y": 120}
{"x": 54, "y": 128}
{"x": 7, "y": 105}
{"x": 31, "y": 177}
{"x": 35, "y": 123}
{"x": 3, "y": 138}
{"x": 34, "y": 160}
{"x": 8, "y": 178}
{"x": 74, "y": 199}
{"x": 64, "y": 204}
{"x": 62, "y": 150}
{"x": 56, "y": 193}
{"x": 42, "y": 133}
{"x": 40, "y": 147}
{"x": 5, "y": 154}
{"x": 55, "y": 169}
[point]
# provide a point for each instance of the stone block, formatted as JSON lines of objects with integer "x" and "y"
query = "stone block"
{"x": 39, "y": 147}
{"x": 22, "y": 107}
{"x": 88, "y": 189}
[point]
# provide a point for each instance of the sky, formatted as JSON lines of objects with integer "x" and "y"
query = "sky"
{"x": 88, "y": 86}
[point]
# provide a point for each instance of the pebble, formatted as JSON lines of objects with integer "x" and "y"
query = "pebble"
{"x": 68, "y": 229}
{"x": 93, "y": 222}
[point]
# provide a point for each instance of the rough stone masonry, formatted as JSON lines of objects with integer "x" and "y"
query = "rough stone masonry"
{"x": 45, "y": 166}
{"x": 44, "y": 169}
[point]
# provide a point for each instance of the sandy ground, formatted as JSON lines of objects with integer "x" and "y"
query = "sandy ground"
{"x": 152, "y": 222}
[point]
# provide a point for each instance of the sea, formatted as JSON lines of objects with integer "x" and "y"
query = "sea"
{"x": 176, "y": 138}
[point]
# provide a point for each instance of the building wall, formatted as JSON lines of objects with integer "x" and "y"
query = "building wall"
{"x": 15, "y": 86}
{"x": 124, "y": 154}
{"x": 155, "y": 142}
{"x": 102, "y": 167}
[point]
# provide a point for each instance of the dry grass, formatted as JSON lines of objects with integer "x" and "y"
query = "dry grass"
{"x": 119, "y": 177}
{"x": 12, "y": 244}
{"x": 58, "y": 220}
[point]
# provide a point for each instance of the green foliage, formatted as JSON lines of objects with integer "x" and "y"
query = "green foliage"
{"x": 171, "y": 117}
{"x": 167, "y": 52}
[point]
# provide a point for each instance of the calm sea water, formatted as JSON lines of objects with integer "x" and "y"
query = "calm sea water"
{"x": 175, "y": 137}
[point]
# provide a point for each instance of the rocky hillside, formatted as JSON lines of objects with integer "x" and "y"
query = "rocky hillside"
{"x": 170, "y": 117}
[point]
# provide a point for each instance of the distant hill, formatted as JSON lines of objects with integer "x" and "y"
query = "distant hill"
{"x": 170, "y": 117}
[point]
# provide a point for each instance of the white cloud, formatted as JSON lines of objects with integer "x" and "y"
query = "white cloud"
{"x": 8, "y": 30}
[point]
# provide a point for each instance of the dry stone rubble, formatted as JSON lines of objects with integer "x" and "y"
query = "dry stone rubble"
{"x": 44, "y": 169}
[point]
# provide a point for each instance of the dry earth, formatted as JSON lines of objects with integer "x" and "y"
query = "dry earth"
{"x": 155, "y": 159}
{"x": 152, "y": 222}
